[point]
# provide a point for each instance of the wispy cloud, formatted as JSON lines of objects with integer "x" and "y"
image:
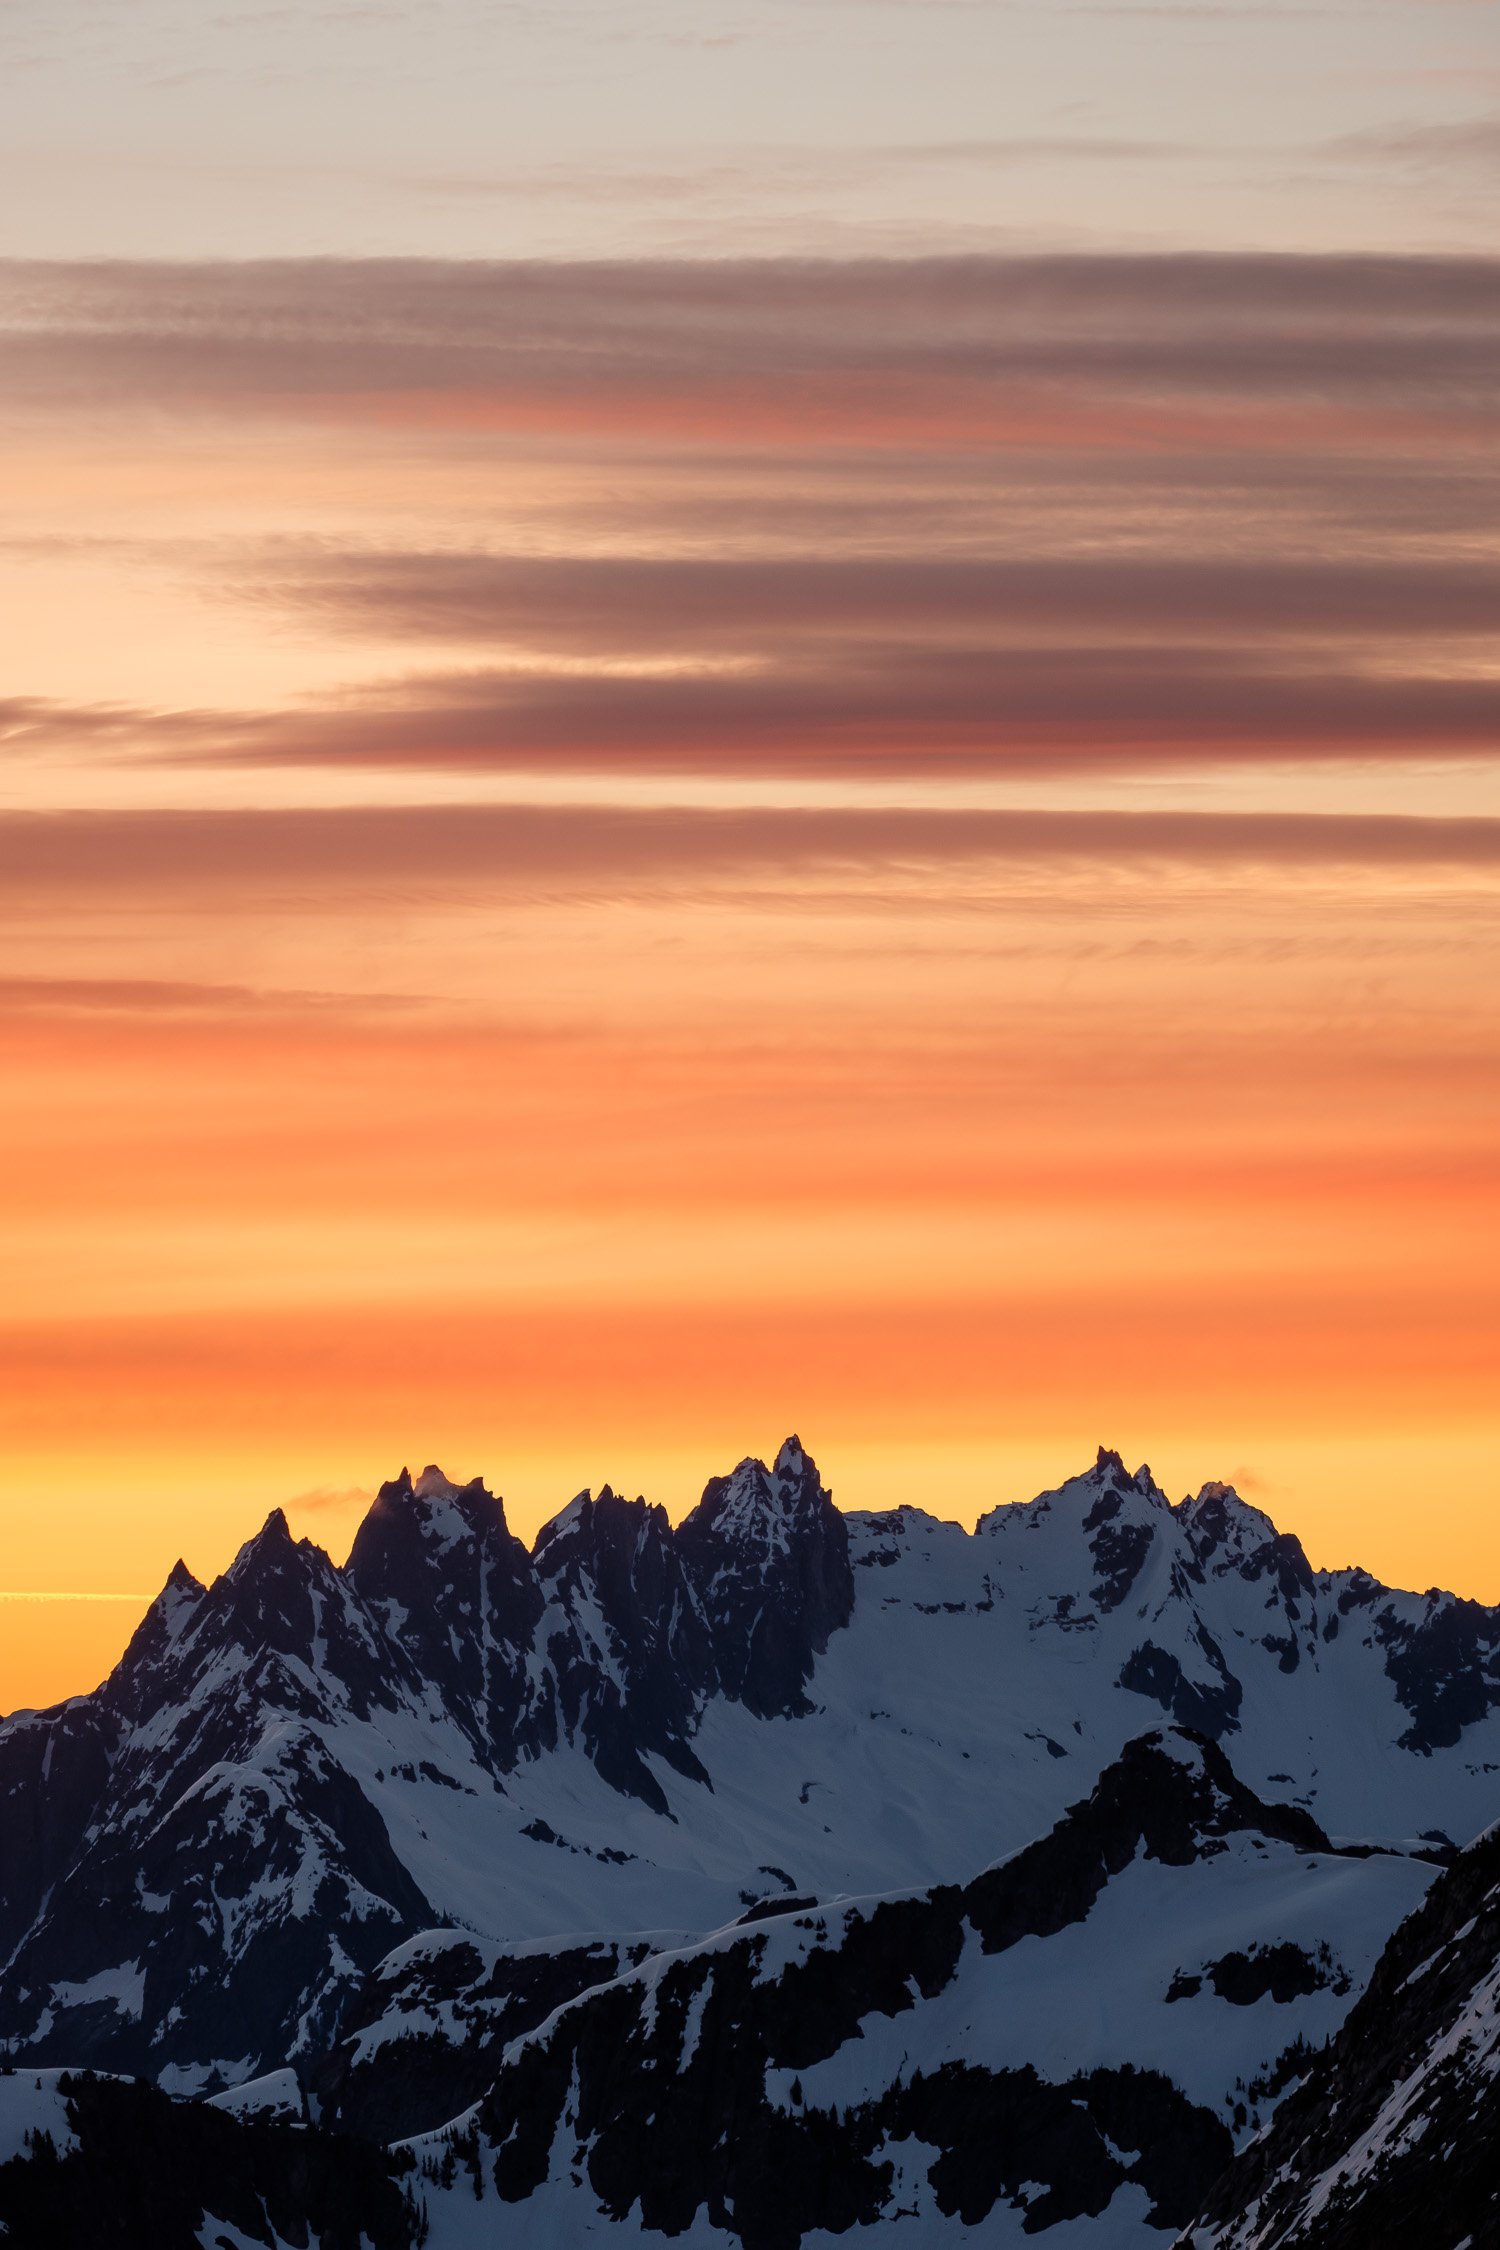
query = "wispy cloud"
{"x": 324, "y": 859}
{"x": 1138, "y": 407}
{"x": 1465, "y": 142}
{"x": 788, "y": 171}
{"x": 330, "y": 1500}
{"x": 583, "y": 604}
{"x": 29, "y": 1594}
{"x": 898, "y": 708}
{"x": 833, "y": 350}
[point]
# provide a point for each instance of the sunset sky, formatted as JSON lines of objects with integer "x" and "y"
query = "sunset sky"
{"x": 720, "y": 719}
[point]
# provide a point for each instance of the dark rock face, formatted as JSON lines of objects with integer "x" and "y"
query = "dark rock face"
{"x": 1156, "y": 1673}
{"x": 1286, "y": 1971}
{"x": 281, "y": 1621}
{"x": 1445, "y": 1669}
{"x": 618, "y": 1588}
{"x": 154, "y": 2174}
{"x": 463, "y": 2004}
{"x": 1002, "y": 2134}
{"x": 457, "y": 1592}
{"x": 998, "y": 2136}
{"x": 1391, "y": 2138}
{"x": 1172, "y": 1798}
{"x": 1121, "y": 1531}
{"x": 645, "y": 2073}
{"x": 768, "y": 1555}
{"x": 54, "y": 1771}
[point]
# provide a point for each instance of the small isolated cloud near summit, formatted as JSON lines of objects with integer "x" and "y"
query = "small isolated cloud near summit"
{"x": 1248, "y": 1480}
{"x": 330, "y": 1500}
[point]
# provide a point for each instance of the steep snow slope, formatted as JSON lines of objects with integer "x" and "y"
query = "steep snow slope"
{"x": 299, "y": 1768}
{"x": 1394, "y": 2136}
{"x": 1100, "y": 1600}
{"x": 1094, "y": 2018}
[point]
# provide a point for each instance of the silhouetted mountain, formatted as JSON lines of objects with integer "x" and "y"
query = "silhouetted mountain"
{"x": 769, "y": 1555}
{"x": 392, "y": 1833}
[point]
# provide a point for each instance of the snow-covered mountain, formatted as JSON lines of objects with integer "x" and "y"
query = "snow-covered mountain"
{"x": 636, "y": 1727}
{"x": 1394, "y": 2137}
{"x": 1078, "y": 2034}
{"x": 377, "y": 1824}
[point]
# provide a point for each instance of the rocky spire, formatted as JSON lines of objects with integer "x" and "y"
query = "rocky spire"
{"x": 768, "y": 1554}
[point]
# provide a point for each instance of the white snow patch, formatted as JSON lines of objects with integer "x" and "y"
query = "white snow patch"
{"x": 276, "y": 2095}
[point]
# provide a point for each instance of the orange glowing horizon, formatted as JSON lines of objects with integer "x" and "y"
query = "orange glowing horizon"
{"x": 599, "y": 860}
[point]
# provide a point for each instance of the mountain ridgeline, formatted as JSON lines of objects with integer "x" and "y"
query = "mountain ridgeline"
{"x": 748, "y": 1878}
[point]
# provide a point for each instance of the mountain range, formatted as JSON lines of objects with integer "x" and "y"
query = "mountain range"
{"x": 751, "y": 1879}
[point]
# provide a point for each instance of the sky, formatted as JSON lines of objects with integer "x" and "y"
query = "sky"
{"x": 729, "y": 719}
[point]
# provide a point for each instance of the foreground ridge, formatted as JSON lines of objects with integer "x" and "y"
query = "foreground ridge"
{"x": 880, "y": 2055}
{"x": 935, "y": 2056}
{"x": 1392, "y": 2136}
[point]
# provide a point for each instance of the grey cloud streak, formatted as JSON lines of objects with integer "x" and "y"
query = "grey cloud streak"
{"x": 578, "y": 603}
{"x": 319, "y": 858}
{"x": 285, "y": 335}
{"x": 1359, "y": 397}
{"x": 876, "y": 708}
{"x": 1461, "y": 141}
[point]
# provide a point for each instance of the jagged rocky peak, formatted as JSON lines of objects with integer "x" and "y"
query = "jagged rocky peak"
{"x": 621, "y": 1560}
{"x": 268, "y": 1584}
{"x": 1110, "y": 1475}
{"x": 765, "y": 1508}
{"x": 284, "y": 1596}
{"x": 1226, "y": 1534}
{"x": 271, "y": 1568}
{"x": 130, "y": 1688}
{"x": 433, "y": 1485}
{"x": 1103, "y": 1493}
{"x": 457, "y": 1592}
{"x": 793, "y": 1465}
{"x": 626, "y": 1638}
{"x": 414, "y": 1522}
{"x": 1112, "y": 1516}
{"x": 768, "y": 1554}
{"x": 560, "y": 1536}
{"x": 280, "y": 1628}
{"x": 266, "y": 1547}
{"x": 1219, "y": 1523}
{"x": 588, "y": 1526}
